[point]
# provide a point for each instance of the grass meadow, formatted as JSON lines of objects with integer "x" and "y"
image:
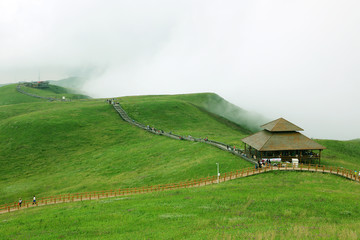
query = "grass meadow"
{"x": 276, "y": 205}
{"x": 51, "y": 148}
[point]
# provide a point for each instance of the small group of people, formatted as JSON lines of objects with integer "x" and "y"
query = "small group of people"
{"x": 229, "y": 148}
{"x": 154, "y": 129}
{"x": 33, "y": 203}
{"x": 263, "y": 163}
{"x": 111, "y": 101}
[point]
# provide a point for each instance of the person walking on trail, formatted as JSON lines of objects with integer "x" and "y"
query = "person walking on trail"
{"x": 34, "y": 200}
{"x": 20, "y": 202}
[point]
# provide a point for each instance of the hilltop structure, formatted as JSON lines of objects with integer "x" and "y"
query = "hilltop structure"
{"x": 38, "y": 84}
{"x": 281, "y": 140}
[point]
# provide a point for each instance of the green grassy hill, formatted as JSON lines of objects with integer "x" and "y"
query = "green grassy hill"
{"x": 342, "y": 154}
{"x": 9, "y": 95}
{"x": 50, "y": 148}
{"x": 60, "y": 147}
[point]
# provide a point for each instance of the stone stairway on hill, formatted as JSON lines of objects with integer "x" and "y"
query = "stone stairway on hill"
{"x": 222, "y": 146}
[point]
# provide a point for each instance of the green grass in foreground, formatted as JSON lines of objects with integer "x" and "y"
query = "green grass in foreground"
{"x": 276, "y": 205}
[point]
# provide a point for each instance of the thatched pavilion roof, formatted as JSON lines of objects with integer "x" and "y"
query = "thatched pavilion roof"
{"x": 281, "y": 135}
{"x": 281, "y": 125}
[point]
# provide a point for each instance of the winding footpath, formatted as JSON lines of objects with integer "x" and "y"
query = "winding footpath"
{"x": 222, "y": 146}
{"x": 96, "y": 195}
{"x": 20, "y": 90}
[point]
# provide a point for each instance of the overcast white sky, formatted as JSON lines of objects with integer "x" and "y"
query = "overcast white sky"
{"x": 281, "y": 58}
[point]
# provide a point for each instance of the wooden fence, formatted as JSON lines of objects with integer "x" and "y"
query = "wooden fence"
{"x": 95, "y": 195}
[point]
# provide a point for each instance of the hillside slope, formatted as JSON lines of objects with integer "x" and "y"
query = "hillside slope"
{"x": 60, "y": 147}
{"x": 9, "y": 94}
{"x": 50, "y": 148}
{"x": 168, "y": 113}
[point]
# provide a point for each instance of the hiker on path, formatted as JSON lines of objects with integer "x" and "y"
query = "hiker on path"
{"x": 20, "y": 202}
{"x": 34, "y": 200}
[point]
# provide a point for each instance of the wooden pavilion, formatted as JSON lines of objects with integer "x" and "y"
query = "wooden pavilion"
{"x": 281, "y": 140}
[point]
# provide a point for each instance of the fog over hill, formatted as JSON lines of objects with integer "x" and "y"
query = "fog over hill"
{"x": 296, "y": 60}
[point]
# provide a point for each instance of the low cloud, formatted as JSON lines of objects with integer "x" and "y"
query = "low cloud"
{"x": 296, "y": 60}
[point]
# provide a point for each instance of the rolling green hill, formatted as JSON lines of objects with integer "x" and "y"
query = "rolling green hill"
{"x": 9, "y": 95}
{"x": 50, "y": 148}
{"x": 60, "y": 147}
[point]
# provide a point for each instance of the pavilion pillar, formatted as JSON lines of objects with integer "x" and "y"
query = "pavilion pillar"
{"x": 319, "y": 155}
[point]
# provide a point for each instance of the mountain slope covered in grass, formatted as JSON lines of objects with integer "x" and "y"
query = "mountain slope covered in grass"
{"x": 50, "y": 148}
{"x": 60, "y": 147}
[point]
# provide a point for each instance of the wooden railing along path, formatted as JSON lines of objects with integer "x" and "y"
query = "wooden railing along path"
{"x": 73, "y": 197}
